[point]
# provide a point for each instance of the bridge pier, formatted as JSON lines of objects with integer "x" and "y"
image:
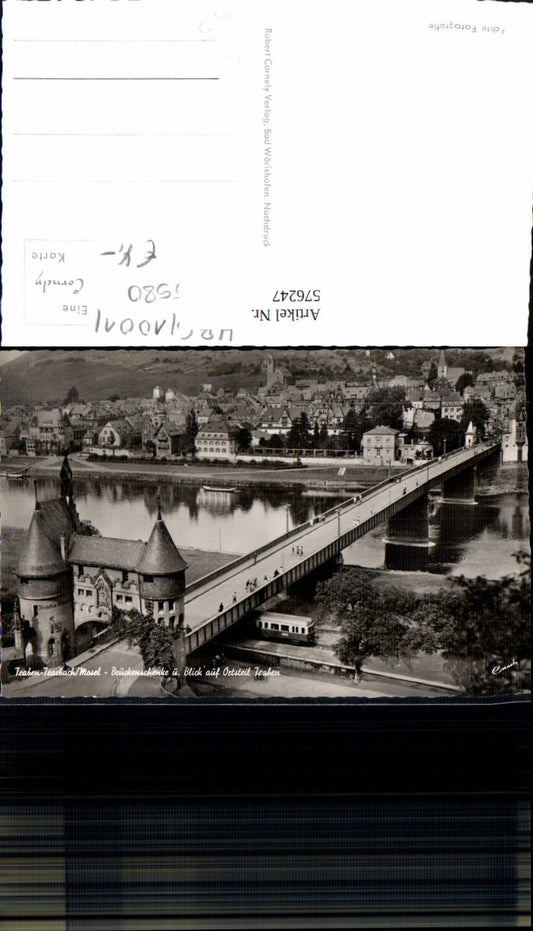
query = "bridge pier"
{"x": 407, "y": 543}
{"x": 460, "y": 489}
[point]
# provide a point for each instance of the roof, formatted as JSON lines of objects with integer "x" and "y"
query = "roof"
{"x": 106, "y": 551}
{"x": 52, "y": 418}
{"x": 387, "y": 431}
{"x": 451, "y": 397}
{"x": 172, "y": 428}
{"x": 41, "y": 557}
{"x": 161, "y": 555}
{"x": 215, "y": 426}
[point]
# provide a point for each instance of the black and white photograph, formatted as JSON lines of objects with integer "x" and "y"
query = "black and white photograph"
{"x": 265, "y": 524}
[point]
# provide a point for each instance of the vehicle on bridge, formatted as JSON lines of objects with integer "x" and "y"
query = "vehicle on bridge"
{"x": 292, "y": 628}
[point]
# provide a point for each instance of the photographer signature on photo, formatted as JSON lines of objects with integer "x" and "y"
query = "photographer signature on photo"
{"x": 497, "y": 669}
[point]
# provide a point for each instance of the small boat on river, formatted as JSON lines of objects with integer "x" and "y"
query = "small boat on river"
{"x": 21, "y": 473}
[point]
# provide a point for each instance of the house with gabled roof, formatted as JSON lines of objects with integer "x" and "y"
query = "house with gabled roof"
{"x": 121, "y": 434}
{"x": 380, "y": 445}
{"x": 216, "y": 440}
{"x": 171, "y": 438}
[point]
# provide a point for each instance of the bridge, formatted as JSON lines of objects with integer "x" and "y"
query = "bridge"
{"x": 216, "y": 601}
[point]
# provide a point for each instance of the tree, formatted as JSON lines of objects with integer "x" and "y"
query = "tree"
{"x": 373, "y": 622}
{"x": 8, "y": 602}
{"x": 87, "y": 529}
{"x": 352, "y": 430}
{"x": 486, "y": 638}
{"x": 155, "y": 641}
{"x": 482, "y": 627}
{"x": 156, "y": 645}
{"x": 518, "y": 363}
{"x": 464, "y": 381}
{"x": 299, "y": 433}
{"x": 385, "y": 407}
{"x": 518, "y": 368}
{"x": 445, "y": 435}
{"x": 244, "y": 440}
{"x": 191, "y": 431}
{"x": 275, "y": 441}
{"x": 475, "y": 412}
{"x": 433, "y": 374}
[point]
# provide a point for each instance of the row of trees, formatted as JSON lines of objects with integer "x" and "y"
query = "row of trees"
{"x": 446, "y": 434}
{"x": 481, "y": 627}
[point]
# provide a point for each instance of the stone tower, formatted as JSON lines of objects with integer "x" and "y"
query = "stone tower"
{"x": 442, "y": 368}
{"x": 268, "y": 364}
{"x": 45, "y": 587}
{"x": 162, "y": 577}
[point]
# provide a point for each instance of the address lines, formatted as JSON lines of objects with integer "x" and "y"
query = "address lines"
{"x": 120, "y": 134}
{"x": 109, "y": 78}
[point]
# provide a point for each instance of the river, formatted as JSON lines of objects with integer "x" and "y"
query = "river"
{"x": 476, "y": 540}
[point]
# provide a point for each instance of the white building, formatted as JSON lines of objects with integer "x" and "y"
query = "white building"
{"x": 514, "y": 438}
{"x": 379, "y": 446}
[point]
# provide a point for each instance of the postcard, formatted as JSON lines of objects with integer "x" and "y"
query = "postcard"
{"x": 280, "y": 174}
{"x": 283, "y": 524}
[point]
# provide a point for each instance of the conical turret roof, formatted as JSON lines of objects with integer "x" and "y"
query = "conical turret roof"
{"x": 41, "y": 557}
{"x": 161, "y": 556}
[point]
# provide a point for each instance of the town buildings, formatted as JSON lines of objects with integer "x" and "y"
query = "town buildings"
{"x": 214, "y": 422}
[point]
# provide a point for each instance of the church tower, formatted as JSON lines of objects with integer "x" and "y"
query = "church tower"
{"x": 442, "y": 368}
{"x": 162, "y": 577}
{"x": 268, "y": 364}
{"x": 45, "y": 587}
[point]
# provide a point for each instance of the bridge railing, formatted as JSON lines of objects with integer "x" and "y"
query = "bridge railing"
{"x": 278, "y": 542}
{"x": 247, "y": 559}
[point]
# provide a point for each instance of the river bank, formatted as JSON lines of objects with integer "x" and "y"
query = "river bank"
{"x": 305, "y": 476}
{"x": 511, "y": 477}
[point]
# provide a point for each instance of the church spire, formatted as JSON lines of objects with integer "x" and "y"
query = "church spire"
{"x": 65, "y": 478}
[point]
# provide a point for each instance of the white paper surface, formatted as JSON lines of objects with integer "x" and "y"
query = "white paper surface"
{"x": 281, "y": 173}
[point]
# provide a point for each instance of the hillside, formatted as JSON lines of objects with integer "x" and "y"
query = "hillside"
{"x": 46, "y": 375}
